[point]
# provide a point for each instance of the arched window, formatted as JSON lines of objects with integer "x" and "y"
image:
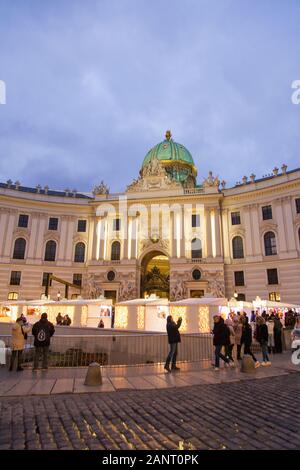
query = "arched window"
{"x": 196, "y": 248}
{"x": 270, "y": 244}
{"x": 50, "y": 250}
{"x": 115, "y": 251}
{"x": 19, "y": 248}
{"x": 237, "y": 247}
{"x": 79, "y": 252}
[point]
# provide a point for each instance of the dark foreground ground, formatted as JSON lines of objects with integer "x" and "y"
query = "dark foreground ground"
{"x": 252, "y": 414}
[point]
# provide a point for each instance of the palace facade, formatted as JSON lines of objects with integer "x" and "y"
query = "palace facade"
{"x": 165, "y": 234}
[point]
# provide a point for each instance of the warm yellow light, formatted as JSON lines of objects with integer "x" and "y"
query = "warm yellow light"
{"x": 121, "y": 317}
{"x": 177, "y": 312}
{"x": 141, "y": 317}
{"x": 204, "y": 326}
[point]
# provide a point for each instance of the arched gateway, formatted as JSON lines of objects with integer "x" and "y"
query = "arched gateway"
{"x": 155, "y": 274}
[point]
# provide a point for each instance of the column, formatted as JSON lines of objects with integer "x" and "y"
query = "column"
{"x": 289, "y": 223}
{"x": 280, "y": 227}
{"x": 63, "y": 237}
{"x": 182, "y": 235}
{"x": 127, "y": 237}
{"x": 33, "y": 236}
{"x": 173, "y": 250}
{"x": 3, "y": 226}
{"x": 225, "y": 231}
{"x": 248, "y": 231}
{"x": 102, "y": 235}
{"x": 208, "y": 235}
{"x": 69, "y": 244}
{"x": 134, "y": 238}
{"x": 255, "y": 230}
{"x": 218, "y": 232}
{"x": 39, "y": 250}
{"x": 9, "y": 232}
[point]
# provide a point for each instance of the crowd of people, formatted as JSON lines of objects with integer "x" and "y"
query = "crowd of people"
{"x": 236, "y": 334}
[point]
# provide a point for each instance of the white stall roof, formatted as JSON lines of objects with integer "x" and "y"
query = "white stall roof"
{"x": 239, "y": 304}
{"x": 269, "y": 304}
{"x": 220, "y": 301}
{"x": 41, "y": 303}
{"x": 148, "y": 301}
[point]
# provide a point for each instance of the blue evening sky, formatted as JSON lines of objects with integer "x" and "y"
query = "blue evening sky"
{"x": 92, "y": 85}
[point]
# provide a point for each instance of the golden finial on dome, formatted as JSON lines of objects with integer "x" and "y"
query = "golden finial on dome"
{"x": 168, "y": 135}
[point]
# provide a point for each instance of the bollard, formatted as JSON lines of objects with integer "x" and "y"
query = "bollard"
{"x": 247, "y": 364}
{"x": 93, "y": 375}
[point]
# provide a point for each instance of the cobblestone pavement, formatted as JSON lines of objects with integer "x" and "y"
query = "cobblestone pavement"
{"x": 256, "y": 414}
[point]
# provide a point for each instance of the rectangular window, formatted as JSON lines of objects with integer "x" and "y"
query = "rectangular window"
{"x": 297, "y": 202}
{"x": 266, "y": 212}
{"x": 241, "y": 298}
{"x": 23, "y": 220}
{"x": 45, "y": 278}
{"x": 81, "y": 227}
{"x": 239, "y": 278}
{"x": 272, "y": 276}
{"x": 274, "y": 296}
{"x": 195, "y": 220}
{"x": 15, "y": 278}
{"x": 235, "y": 218}
{"x": 13, "y": 296}
{"x": 117, "y": 225}
{"x": 53, "y": 223}
{"x": 77, "y": 279}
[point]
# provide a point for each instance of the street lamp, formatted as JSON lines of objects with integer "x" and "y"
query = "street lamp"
{"x": 235, "y": 295}
{"x": 58, "y": 296}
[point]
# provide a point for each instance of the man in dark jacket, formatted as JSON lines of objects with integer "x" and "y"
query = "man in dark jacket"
{"x": 42, "y": 332}
{"x": 173, "y": 339}
{"x": 221, "y": 338}
{"x": 247, "y": 341}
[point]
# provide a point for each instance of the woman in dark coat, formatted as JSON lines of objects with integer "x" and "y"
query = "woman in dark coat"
{"x": 262, "y": 336}
{"x": 173, "y": 339}
{"x": 221, "y": 338}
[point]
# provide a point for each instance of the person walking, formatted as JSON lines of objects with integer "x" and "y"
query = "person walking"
{"x": 229, "y": 349}
{"x": 18, "y": 336}
{"x": 173, "y": 339}
{"x": 221, "y": 339}
{"x": 277, "y": 334}
{"x": 247, "y": 341}
{"x": 238, "y": 330}
{"x": 262, "y": 338}
{"x": 42, "y": 331}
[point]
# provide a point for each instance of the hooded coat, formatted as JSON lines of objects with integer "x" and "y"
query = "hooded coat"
{"x": 17, "y": 336}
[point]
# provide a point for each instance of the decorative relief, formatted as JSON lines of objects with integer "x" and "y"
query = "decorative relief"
{"x": 91, "y": 288}
{"x": 127, "y": 290}
{"x": 216, "y": 285}
{"x": 153, "y": 177}
{"x": 211, "y": 181}
{"x": 148, "y": 243}
{"x": 178, "y": 290}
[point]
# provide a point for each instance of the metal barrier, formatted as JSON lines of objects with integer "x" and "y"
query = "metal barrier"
{"x": 116, "y": 350}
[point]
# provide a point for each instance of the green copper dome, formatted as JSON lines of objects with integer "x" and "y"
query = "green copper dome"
{"x": 176, "y": 159}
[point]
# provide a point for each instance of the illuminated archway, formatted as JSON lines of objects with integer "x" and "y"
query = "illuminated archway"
{"x": 155, "y": 274}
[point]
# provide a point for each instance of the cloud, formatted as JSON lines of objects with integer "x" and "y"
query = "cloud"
{"x": 92, "y": 87}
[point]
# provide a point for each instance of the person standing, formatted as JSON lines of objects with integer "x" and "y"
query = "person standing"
{"x": 262, "y": 337}
{"x": 42, "y": 331}
{"x": 18, "y": 336}
{"x": 247, "y": 340}
{"x": 270, "y": 326}
{"x": 277, "y": 334}
{"x": 59, "y": 319}
{"x": 173, "y": 339}
{"x": 101, "y": 323}
{"x": 238, "y": 330}
{"x": 221, "y": 339}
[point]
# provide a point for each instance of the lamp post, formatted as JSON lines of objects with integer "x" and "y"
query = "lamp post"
{"x": 58, "y": 296}
{"x": 235, "y": 295}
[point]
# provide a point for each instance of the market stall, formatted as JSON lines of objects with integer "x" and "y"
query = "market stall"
{"x": 142, "y": 314}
